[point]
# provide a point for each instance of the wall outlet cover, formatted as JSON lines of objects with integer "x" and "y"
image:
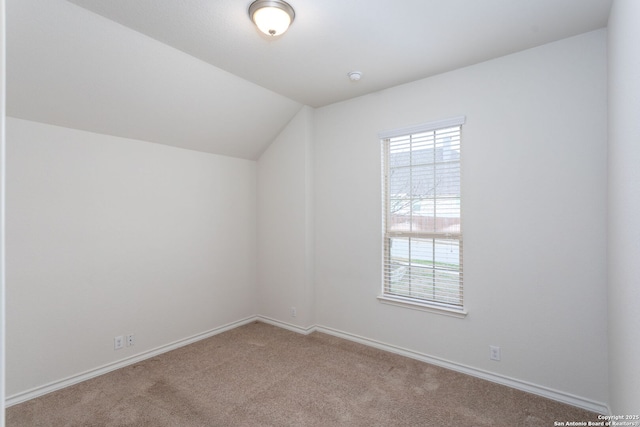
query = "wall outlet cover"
{"x": 118, "y": 342}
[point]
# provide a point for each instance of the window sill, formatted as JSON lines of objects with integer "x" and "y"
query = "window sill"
{"x": 414, "y": 305}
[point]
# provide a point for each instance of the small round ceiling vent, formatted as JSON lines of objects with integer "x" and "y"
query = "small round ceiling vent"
{"x": 354, "y": 76}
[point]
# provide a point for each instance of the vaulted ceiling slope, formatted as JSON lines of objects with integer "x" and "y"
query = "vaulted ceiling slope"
{"x": 391, "y": 42}
{"x": 197, "y": 74}
{"x": 69, "y": 67}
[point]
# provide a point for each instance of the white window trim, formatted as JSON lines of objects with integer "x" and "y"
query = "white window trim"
{"x": 405, "y": 302}
{"x": 424, "y": 127}
{"x": 431, "y": 307}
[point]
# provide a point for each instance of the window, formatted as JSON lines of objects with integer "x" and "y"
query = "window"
{"x": 422, "y": 264}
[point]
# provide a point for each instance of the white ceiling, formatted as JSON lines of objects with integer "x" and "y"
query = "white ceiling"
{"x": 215, "y": 84}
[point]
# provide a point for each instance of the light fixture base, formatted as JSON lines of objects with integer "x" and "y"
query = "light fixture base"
{"x": 272, "y": 17}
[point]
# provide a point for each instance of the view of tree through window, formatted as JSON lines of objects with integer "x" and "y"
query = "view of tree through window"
{"x": 423, "y": 239}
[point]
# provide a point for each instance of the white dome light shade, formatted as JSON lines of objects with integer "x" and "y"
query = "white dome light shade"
{"x": 272, "y": 21}
{"x": 271, "y": 17}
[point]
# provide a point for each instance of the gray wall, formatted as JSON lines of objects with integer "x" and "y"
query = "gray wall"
{"x": 109, "y": 236}
{"x": 624, "y": 207}
{"x": 534, "y": 216}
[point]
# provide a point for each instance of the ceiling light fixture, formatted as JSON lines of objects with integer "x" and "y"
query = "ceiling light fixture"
{"x": 272, "y": 17}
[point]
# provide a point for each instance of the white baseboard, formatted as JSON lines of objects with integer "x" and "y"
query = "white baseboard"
{"x": 556, "y": 395}
{"x": 75, "y": 379}
{"x": 287, "y": 326}
{"x": 570, "y": 399}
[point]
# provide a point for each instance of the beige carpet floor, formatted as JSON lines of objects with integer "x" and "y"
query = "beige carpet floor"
{"x": 260, "y": 375}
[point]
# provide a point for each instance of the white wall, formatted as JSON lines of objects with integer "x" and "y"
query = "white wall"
{"x": 2, "y": 199}
{"x": 534, "y": 197}
{"x": 285, "y": 224}
{"x": 108, "y": 236}
{"x": 624, "y": 206}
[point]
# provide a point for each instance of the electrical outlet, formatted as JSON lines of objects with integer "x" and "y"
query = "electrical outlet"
{"x": 130, "y": 340}
{"x": 294, "y": 313}
{"x": 118, "y": 342}
{"x": 494, "y": 352}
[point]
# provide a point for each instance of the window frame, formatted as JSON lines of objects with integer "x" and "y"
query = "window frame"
{"x": 412, "y": 302}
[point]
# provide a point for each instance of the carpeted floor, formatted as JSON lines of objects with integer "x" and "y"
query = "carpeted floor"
{"x": 260, "y": 375}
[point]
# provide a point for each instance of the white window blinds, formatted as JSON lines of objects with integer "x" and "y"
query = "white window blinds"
{"x": 422, "y": 211}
